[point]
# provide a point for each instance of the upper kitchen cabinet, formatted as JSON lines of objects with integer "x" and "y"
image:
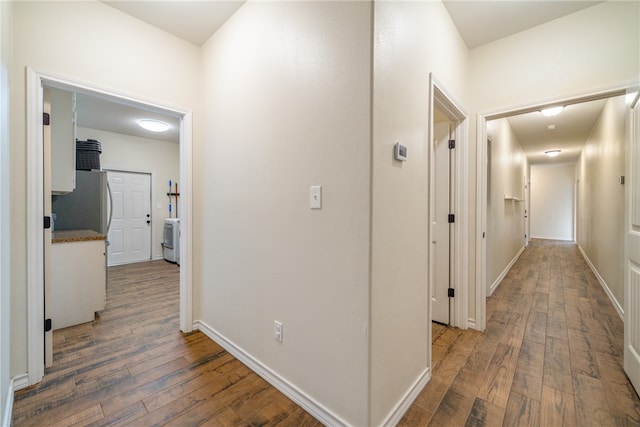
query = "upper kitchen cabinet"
{"x": 63, "y": 141}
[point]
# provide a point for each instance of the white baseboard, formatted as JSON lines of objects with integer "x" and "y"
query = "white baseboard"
{"x": 502, "y": 275}
{"x": 17, "y": 383}
{"x": 21, "y": 381}
{"x": 471, "y": 323}
{"x": 412, "y": 394}
{"x": 562, "y": 239}
{"x": 321, "y": 413}
{"x": 613, "y": 299}
{"x": 8, "y": 409}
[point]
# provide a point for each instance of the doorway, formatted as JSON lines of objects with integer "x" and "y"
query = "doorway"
{"x": 130, "y": 232}
{"x": 36, "y": 81}
{"x": 447, "y": 209}
{"x": 483, "y": 169}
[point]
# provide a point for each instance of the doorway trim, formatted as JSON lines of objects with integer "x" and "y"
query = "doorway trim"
{"x": 438, "y": 95}
{"x": 481, "y": 178}
{"x": 35, "y": 206}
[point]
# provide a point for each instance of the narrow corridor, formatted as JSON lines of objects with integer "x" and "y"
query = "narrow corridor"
{"x": 552, "y": 354}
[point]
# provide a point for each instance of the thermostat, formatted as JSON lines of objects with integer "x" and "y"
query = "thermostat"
{"x": 400, "y": 152}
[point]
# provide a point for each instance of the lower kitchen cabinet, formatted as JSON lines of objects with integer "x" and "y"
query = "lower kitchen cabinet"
{"x": 78, "y": 282}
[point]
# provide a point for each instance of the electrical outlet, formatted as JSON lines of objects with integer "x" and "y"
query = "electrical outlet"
{"x": 277, "y": 330}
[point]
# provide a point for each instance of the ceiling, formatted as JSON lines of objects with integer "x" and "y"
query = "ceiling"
{"x": 572, "y": 128}
{"x": 99, "y": 113}
{"x": 479, "y": 22}
{"x": 193, "y": 21}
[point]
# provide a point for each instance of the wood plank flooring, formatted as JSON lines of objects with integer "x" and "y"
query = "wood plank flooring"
{"x": 552, "y": 354}
{"x": 132, "y": 366}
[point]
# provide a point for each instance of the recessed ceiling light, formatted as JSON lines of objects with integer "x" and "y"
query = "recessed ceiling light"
{"x": 552, "y": 153}
{"x": 154, "y": 125}
{"x": 551, "y": 127}
{"x": 553, "y": 111}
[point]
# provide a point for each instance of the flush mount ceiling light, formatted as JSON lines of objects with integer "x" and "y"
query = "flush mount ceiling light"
{"x": 154, "y": 125}
{"x": 552, "y": 153}
{"x": 553, "y": 111}
{"x": 551, "y": 127}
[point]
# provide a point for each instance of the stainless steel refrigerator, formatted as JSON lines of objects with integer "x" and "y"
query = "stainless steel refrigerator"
{"x": 85, "y": 208}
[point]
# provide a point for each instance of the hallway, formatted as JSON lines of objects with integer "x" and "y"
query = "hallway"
{"x": 551, "y": 354}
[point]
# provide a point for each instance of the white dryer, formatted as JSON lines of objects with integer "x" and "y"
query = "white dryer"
{"x": 171, "y": 243}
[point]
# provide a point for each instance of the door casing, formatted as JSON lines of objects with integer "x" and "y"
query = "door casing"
{"x": 36, "y": 80}
{"x": 481, "y": 179}
{"x": 441, "y": 99}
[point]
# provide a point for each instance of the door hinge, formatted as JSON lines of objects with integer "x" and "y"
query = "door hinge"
{"x": 452, "y": 144}
{"x": 46, "y": 119}
{"x": 451, "y": 292}
{"x": 47, "y": 325}
{"x": 451, "y": 218}
{"x": 47, "y": 222}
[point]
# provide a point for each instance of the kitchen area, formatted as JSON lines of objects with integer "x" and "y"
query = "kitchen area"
{"x": 111, "y": 195}
{"x": 80, "y": 218}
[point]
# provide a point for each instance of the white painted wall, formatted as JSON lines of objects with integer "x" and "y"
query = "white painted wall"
{"x": 5, "y": 262}
{"x": 92, "y": 42}
{"x": 568, "y": 56}
{"x": 505, "y": 218}
{"x": 411, "y": 39}
{"x": 601, "y": 197}
{"x": 562, "y": 57}
{"x": 552, "y": 209}
{"x": 131, "y": 153}
{"x": 286, "y": 102}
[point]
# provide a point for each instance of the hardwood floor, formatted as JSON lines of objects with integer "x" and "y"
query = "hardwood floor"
{"x": 551, "y": 356}
{"x": 132, "y": 366}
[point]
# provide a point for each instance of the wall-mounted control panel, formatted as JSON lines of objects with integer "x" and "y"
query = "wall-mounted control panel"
{"x": 400, "y": 152}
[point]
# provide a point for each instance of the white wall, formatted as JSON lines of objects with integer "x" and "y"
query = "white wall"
{"x": 411, "y": 39}
{"x": 601, "y": 200}
{"x": 91, "y": 42}
{"x": 286, "y": 101}
{"x": 552, "y": 209}
{"x": 135, "y": 154}
{"x": 566, "y": 56}
{"x": 505, "y": 218}
{"x": 5, "y": 263}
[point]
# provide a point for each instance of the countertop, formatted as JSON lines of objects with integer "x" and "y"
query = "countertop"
{"x": 68, "y": 236}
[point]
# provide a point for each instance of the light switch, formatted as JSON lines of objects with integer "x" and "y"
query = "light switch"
{"x": 315, "y": 197}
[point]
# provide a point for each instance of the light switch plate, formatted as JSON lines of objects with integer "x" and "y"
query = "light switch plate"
{"x": 315, "y": 197}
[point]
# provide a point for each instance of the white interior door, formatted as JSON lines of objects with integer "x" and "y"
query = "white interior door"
{"x": 440, "y": 226}
{"x": 130, "y": 231}
{"x": 632, "y": 263}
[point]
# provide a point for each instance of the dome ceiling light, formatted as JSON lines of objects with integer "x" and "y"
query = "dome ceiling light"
{"x": 154, "y": 125}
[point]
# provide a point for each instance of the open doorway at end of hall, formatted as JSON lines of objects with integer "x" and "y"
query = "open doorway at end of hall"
{"x": 39, "y": 341}
{"x": 516, "y": 197}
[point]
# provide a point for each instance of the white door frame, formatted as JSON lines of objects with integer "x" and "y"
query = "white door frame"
{"x": 439, "y": 96}
{"x": 35, "y": 204}
{"x": 481, "y": 179}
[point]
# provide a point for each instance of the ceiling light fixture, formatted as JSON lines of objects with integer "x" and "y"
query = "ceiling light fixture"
{"x": 553, "y": 111}
{"x": 154, "y": 125}
{"x": 551, "y": 127}
{"x": 552, "y": 153}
